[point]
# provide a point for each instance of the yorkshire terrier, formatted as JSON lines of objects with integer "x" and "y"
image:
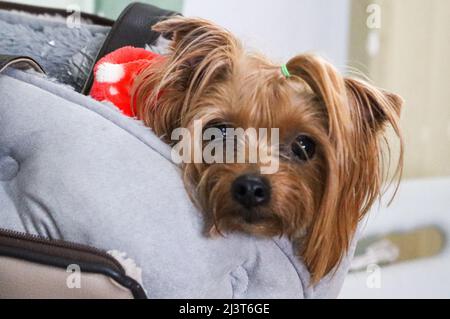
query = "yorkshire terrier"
{"x": 331, "y": 133}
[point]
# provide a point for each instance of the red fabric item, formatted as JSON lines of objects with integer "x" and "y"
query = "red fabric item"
{"x": 114, "y": 75}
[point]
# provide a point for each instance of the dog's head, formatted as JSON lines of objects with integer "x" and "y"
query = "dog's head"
{"x": 328, "y": 139}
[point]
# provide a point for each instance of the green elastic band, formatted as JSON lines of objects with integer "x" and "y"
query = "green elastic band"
{"x": 285, "y": 71}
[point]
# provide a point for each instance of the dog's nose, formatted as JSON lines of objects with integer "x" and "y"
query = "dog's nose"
{"x": 251, "y": 190}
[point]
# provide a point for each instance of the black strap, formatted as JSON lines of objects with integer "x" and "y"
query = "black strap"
{"x": 133, "y": 27}
{"x": 19, "y": 62}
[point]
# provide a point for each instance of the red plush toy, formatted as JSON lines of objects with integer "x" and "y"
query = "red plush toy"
{"x": 114, "y": 75}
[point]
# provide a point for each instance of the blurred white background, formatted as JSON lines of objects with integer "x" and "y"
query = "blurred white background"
{"x": 282, "y": 29}
{"x": 419, "y": 203}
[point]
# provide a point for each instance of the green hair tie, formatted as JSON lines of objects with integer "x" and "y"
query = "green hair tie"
{"x": 285, "y": 71}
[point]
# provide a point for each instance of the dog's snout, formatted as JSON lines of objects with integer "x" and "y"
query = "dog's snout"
{"x": 251, "y": 190}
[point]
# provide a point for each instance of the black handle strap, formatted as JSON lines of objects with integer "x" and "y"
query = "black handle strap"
{"x": 19, "y": 62}
{"x": 133, "y": 27}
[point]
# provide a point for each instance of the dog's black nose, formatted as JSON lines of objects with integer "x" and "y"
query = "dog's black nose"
{"x": 251, "y": 190}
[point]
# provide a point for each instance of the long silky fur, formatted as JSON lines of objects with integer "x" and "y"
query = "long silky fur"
{"x": 207, "y": 75}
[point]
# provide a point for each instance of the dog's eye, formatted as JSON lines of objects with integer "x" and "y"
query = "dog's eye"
{"x": 221, "y": 127}
{"x": 304, "y": 147}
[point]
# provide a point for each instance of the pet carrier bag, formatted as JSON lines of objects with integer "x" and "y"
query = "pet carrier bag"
{"x": 91, "y": 205}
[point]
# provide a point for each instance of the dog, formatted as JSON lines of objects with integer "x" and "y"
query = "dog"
{"x": 331, "y": 138}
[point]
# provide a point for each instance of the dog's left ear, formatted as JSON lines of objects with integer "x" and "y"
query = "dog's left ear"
{"x": 356, "y": 114}
{"x": 375, "y": 106}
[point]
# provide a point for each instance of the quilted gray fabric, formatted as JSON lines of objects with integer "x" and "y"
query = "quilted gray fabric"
{"x": 75, "y": 169}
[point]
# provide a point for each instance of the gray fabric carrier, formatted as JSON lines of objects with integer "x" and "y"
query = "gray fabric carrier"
{"x": 75, "y": 169}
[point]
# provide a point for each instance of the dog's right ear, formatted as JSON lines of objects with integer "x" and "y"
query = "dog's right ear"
{"x": 201, "y": 54}
{"x": 183, "y": 31}
{"x": 197, "y": 45}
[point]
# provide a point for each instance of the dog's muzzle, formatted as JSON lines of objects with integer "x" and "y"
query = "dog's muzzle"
{"x": 251, "y": 191}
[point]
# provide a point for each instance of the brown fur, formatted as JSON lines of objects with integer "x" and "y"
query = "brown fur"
{"x": 207, "y": 75}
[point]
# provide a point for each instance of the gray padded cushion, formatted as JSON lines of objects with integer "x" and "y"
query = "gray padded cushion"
{"x": 74, "y": 169}
{"x": 67, "y": 54}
